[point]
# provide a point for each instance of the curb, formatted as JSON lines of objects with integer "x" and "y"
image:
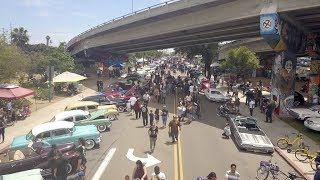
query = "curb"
{"x": 295, "y": 167}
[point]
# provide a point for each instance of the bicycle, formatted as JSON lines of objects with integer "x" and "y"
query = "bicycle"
{"x": 286, "y": 143}
{"x": 266, "y": 168}
{"x": 304, "y": 154}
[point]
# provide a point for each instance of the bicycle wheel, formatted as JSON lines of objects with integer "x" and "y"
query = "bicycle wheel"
{"x": 262, "y": 173}
{"x": 301, "y": 155}
{"x": 313, "y": 163}
{"x": 282, "y": 143}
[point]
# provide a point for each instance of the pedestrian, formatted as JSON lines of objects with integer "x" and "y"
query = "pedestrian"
{"x": 98, "y": 85}
{"x": 157, "y": 115}
{"x": 163, "y": 95}
{"x": 51, "y": 158}
{"x": 132, "y": 101}
{"x": 158, "y": 175}
{"x": 198, "y": 109}
{"x": 232, "y": 174}
{"x": 174, "y": 127}
{"x": 14, "y": 116}
{"x": 146, "y": 98}
{"x": 101, "y": 85}
{"x": 317, "y": 174}
{"x": 144, "y": 111}
{"x": 2, "y": 129}
{"x": 237, "y": 104}
{"x": 60, "y": 171}
{"x": 140, "y": 171}
{"x": 137, "y": 109}
{"x": 156, "y": 93}
{"x": 270, "y": 108}
{"x": 153, "y": 133}
{"x": 180, "y": 112}
{"x": 151, "y": 117}
{"x": 251, "y": 106}
{"x": 191, "y": 88}
{"x": 164, "y": 115}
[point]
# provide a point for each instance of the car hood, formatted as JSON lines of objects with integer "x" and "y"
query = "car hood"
{"x": 255, "y": 140}
{"x": 98, "y": 113}
{"x": 85, "y": 130}
{"x": 19, "y": 142}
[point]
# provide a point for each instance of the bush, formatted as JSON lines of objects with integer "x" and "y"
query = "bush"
{"x": 42, "y": 93}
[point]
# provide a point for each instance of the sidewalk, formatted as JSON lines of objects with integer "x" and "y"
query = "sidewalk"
{"x": 40, "y": 116}
{"x": 274, "y": 134}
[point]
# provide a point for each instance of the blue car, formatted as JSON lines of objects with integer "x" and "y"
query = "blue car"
{"x": 60, "y": 132}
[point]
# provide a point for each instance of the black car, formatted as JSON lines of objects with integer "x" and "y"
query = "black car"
{"x": 104, "y": 100}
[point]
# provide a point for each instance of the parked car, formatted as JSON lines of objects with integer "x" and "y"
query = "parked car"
{"x": 305, "y": 113}
{"x": 83, "y": 118}
{"x": 134, "y": 77}
{"x": 36, "y": 156}
{"x": 248, "y": 134}
{"x": 60, "y": 132}
{"x": 33, "y": 174}
{"x": 117, "y": 87}
{"x": 313, "y": 123}
{"x": 215, "y": 95}
{"x": 105, "y": 100}
{"x": 111, "y": 111}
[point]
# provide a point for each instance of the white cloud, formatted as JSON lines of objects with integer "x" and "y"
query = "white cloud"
{"x": 43, "y": 7}
{"x": 82, "y": 14}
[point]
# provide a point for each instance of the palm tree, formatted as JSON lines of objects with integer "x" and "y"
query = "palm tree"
{"x": 19, "y": 36}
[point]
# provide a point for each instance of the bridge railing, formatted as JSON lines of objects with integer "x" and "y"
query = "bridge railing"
{"x": 77, "y": 38}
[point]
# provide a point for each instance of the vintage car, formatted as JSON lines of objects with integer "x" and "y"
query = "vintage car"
{"x": 83, "y": 118}
{"x": 36, "y": 156}
{"x": 111, "y": 110}
{"x": 215, "y": 95}
{"x": 117, "y": 88}
{"x": 305, "y": 113}
{"x": 248, "y": 134}
{"x": 313, "y": 123}
{"x": 105, "y": 100}
{"x": 33, "y": 174}
{"x": 60, "y": 132}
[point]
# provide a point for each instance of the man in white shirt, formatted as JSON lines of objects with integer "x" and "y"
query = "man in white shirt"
{"x": 157, "y": 175}
{"x": 191, "y": 87}
{"x": 146, "y": 98}
{"x": 232, "y": 174}
{"x": 132, "y": 101}
{"x": 251, "y": 106}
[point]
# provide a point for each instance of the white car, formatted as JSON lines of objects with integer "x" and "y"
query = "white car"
{"x": 312, "y": 123}
{"x": 215, "y": 95}
{"x": 305, "y": 113}
{"x": 33, "y": 174}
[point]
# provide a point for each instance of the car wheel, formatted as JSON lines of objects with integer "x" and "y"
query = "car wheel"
{"x": 90, "y": 144}
{"x": 69, "y": 168}
{"x": 112, "y": 116}
{"x": 121, "y": 109}
{"x": 296, "y": 103}
{"x": 102, "y": 128}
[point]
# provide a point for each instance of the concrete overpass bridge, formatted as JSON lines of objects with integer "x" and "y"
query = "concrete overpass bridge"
{"x": 189, "y": 22}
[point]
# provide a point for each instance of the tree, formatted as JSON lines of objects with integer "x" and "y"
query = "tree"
{"x": 209, "y": 52}
{"x": 20, "y": 37}
{"x": 241, "y": 61}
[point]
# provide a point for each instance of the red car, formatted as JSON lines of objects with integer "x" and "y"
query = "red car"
{"x": 117, "y": 89}
{"x": 124, "y": 95}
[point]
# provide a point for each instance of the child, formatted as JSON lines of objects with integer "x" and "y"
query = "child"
{"x": 151, "y": 117}
{"x": 157, "y": 116}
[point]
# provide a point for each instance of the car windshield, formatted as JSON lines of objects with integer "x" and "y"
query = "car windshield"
{"x": 30, "y": 136}
{"x": 215, "y": 92}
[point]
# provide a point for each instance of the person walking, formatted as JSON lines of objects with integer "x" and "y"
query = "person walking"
{"x": 157, "y": 115}
{"x": 270, "y": 108}
{"x": 164, "y": 115}
{"x": 132, "y": 102}
{"x": 158, "y": 175}
{"x": 237, "y": 104}
{"x": 151, "y": 117}
{"x": 2, "y": 129}
{"x": 163, "y": 95}
{"x": 137, "y": 109}
{"x": 60, "y": 171}
{"x": 146, "y": 98}
{"x": 153, "y": 133}
{"x": 140, "y": 171}
{"x": 174, "y": 127}
{"x": 251, "y": 106}
{"x": 144, "y": 111}
{"x": 232, "y": 174}
{"x": 98, "y": 85}
{"x": 156, "y": 93}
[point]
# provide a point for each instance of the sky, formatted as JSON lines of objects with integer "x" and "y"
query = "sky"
{"x": 63, "y": 19}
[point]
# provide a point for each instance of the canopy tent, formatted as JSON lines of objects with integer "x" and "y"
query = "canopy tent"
{"x": 68, "y": 77}
{"x": 14, "y": 92}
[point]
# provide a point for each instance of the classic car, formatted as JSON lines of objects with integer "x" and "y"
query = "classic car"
{"x": 33, "y": 174}
{"x": 36, "y": 156}
{"x": 105, "y": 100}
{"x": 83, "y": 118}
{"x": 248, "y": 134}
{"x": 313, "y": 123}
{"x": 215, "y": 95}
{"x": 117, "y": 88}
{"x": 60, "y": 132}
{"x": 305, "y": 113}
{"x": 111, "y": 110}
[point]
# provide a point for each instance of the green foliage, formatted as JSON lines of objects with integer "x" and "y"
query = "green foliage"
{"x": 18, "y": 103}
{"x": 20, "y": 36}
{"x": 241, "y": 61}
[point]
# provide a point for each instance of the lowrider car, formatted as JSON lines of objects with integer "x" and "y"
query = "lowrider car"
{"x": 60, "y": 132}
{"x": 36, "y": 156}
{"x": 312, "y": 123}
{"x": 305, "y": 113}
{"x": 83, "y": 118}
{"x": 111, "y": 110}
{"x": 215, "y": 95}
{"x": 248, "y": 134}
{"x": 33, "y": 174}
{"x": 105, "y": 100}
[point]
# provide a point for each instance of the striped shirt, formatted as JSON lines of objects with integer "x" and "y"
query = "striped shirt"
{"x": 232, "y": 176}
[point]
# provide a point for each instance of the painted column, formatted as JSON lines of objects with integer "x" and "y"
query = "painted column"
{"x": 284, "y": 39}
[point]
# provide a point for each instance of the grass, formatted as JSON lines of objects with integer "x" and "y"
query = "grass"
{"x": 299, "y": 126}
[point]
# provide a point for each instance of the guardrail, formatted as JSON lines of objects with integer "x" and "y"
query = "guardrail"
{"x": 75, "y": 39}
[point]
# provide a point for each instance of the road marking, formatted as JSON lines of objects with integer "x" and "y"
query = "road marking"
{"x": 149, "y": 161}
{"x": 180, "y": 159}
{"x": 104, "y": 164}
{"x": 175, "y": 158}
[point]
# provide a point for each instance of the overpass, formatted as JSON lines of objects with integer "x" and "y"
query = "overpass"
{"x": 189, "y": 22}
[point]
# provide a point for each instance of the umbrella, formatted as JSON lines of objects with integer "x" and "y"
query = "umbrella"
{"x": 68, "y": 77}
{"x": 14, "y": 92}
